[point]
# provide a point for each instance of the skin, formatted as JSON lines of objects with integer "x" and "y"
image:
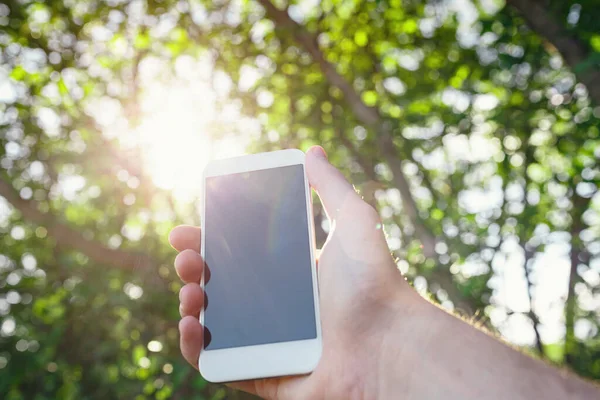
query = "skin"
{"x": 380, "y": 338}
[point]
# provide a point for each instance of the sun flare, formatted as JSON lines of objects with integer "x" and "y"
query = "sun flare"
{"x": 186, "y": 123}
{"x": 174, "y": 141}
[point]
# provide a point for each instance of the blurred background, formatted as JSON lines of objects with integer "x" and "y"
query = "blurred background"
{"x": 472, "y": 125}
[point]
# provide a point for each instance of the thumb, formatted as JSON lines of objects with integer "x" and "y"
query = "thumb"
{"x": 329, "y": 183}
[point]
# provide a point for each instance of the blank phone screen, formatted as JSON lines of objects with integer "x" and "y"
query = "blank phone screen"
{"x": 257, "y": 250}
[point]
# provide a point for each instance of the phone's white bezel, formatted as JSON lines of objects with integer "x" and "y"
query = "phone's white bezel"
{"x": 274, "y": 359}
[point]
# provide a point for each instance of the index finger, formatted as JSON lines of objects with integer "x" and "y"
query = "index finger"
{"x": 185, "y": 237}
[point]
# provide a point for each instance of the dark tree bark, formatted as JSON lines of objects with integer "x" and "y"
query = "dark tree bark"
{"x": 529, "y": 252}
{"x": 368, "y": 116}
{"x": 531, "y": 313}
{"x": 573, "y": 50}
{"x": 580, "y": 204}
{"x": 66, "y": 236}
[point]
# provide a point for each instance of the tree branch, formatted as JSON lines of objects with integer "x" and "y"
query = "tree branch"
{"x": 368, "y": 116}
{"x": 580, "y": 204}
{"x": 574, "y": 52}
{"x": 66, "y": 236}
{"x": 441, "y": 275}
{"x": 531, "y": 313}
{"x": 529, "y": 253}
{"x": 372, "y": 184}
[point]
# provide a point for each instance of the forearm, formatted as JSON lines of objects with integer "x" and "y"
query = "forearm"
{"x": 446, "y": 358}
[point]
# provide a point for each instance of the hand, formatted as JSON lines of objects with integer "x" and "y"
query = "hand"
{"x": 363, "y": 297}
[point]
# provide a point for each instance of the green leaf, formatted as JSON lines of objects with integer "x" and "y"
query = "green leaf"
{"x": 595, "y": 42}
{"x": 142, "y": 41}
{"x": 592, "y": 60}
{"x": 62, "y": 87}
{"x": 361, "y": 38}
{"x": 139, "y": 351}
{"x": 410, "y": 26}
{"x": 370, "y": 98}
{"x": 18, "y": 73}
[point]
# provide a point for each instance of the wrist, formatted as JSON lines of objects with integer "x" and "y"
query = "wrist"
{"x": 406, "y": 345}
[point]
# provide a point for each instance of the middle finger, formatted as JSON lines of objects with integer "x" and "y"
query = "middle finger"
{"x": 189, "y": 266}
{"x": 191, "y": 298}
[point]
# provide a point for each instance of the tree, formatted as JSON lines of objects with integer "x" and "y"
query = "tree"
{"x": 473, "y": 130}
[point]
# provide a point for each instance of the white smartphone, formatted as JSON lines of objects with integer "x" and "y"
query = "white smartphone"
{"x": 262, "y": 314}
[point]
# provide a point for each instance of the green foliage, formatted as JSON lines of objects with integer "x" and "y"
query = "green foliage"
{"x": 497, "y": 139}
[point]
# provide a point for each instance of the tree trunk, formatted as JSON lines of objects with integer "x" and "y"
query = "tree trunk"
{"x": 575, "y": 53}
{"x": 580, "y": 204}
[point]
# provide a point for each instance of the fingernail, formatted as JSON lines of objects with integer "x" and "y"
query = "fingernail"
{"x": 320, "y": 152}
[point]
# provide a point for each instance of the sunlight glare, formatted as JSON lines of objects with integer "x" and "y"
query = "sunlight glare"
{"x": 172, "y": 136}
{"x": 177, "y": 129}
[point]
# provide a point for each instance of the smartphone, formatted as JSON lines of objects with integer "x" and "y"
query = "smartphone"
{"x": 261, "y": 316}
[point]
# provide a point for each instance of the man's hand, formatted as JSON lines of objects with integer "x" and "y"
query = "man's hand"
{"x": 362, "y": 295}
{"x": 381, "y": 340}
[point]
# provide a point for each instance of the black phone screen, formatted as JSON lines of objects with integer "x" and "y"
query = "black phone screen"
{"x": 257, "y": 250}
